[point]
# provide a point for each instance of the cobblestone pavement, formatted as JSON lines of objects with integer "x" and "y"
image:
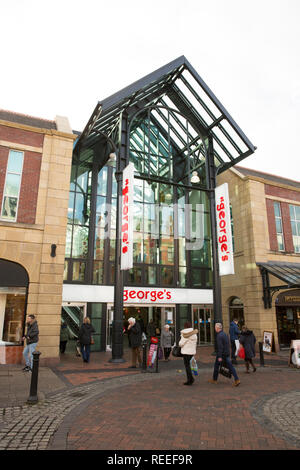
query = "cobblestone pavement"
{"x": 280, "y": 413}
{"x": 30, "y": 427}
{"x": 154, "y": 411}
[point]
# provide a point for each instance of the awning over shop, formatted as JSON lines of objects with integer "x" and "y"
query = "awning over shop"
{"x": 286, "y": 272}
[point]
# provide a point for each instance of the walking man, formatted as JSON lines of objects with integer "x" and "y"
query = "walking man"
{"x": 234, "y": 333}
{"x": 31, "y": 337}
{"x": 223, "y": 353}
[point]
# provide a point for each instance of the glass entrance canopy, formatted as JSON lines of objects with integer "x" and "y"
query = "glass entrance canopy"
{"x": 171, "y": 113}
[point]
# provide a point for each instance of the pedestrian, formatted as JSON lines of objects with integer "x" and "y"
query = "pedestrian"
{"x": 150, "y": 329}
{"x": 32, "y": 338}
{"x": 188, "y": 345}
{"x": 141, "y": 322}
{"x": 234, "y": 333}
{"x": 166, "y": 341}
{"x": 85, "y": 338}
{"x": 248, "y": 340}
{"x": 64, "y": 337}
{"x": 223, "y": 354}
{"x": 135, "y": 341}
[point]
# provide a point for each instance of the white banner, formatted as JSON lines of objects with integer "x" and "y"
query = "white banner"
{"x": 127, "y": 218}
{"x": 224, "y": 235}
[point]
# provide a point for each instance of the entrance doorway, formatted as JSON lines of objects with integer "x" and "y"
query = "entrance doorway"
{"x": 72, "y": 315}
{"x": 203, "y": 321}
{"x": 288, "y": 325}
{"x": 160, "y": 315}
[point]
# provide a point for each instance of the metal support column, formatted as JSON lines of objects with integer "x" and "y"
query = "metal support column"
{"x": 117, "y": 327}
{"x": 211, "y": 183}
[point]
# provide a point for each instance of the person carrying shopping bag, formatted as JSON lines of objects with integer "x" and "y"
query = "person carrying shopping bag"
{"x": 248, "y": 340}
{"x": 166, "y": 341}
{"x": 188, "y": 345}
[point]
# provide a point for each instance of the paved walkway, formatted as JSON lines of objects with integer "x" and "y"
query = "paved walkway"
{"x": 106, "y": 406}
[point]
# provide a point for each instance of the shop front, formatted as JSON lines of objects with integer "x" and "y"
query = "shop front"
{"x": 13, "y": 303}
{"x": 163, "y": 306}
{"x": 288, "y": 317}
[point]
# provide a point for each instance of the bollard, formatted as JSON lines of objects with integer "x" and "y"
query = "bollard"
{"x": 33, "y": 398}
{"x": 144, "y": 364}
{"x": 261, "y": 354}
{"x": 156, "y": 365}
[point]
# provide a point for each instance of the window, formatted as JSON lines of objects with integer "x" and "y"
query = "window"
{"x": 295, "y": 223}
{"x": 236, "y": 310}
{"x": 12, "y": 185}
{"x": 279, "y": 229}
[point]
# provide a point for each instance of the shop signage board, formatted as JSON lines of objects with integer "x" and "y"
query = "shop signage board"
{"x": 137, "y": 295}
{"x": 127, "y": 218}
{"x": 267, "y": 341}
{"x": 224, "y": 235}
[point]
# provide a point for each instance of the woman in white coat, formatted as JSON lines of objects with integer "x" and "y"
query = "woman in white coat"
{"x": 188, "y": 345}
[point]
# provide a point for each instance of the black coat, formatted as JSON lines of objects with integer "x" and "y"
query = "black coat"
{"x": 248, "y": 340}
{"x": 223, "y": 348}
{"x": 32, "y": 334}
{"x": 135, "y": 336}
{"x": 85, "y": 333}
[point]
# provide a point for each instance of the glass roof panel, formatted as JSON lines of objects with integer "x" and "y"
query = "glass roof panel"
{"x": 178, "y": 86}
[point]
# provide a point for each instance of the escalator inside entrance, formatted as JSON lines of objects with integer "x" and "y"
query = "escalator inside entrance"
{"x": 71, "y": 320}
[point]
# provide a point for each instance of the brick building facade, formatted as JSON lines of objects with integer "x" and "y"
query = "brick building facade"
{"x": 35, "y": 163}
{"x": 266, "y": 244}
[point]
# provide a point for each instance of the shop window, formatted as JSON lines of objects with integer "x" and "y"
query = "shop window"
{"x": 12, "y": 185}
{"x": 295, "y": 223}
{"x": 236, "y": 310}
{"x": 12, "y": 313}
{"x": 13, "y": 293}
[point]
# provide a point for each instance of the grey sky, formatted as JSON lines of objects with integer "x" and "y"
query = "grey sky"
{"x": 62, "y": 56}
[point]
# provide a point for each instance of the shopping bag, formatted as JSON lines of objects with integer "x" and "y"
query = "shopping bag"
{"x": 237, "y": 346}
{"x": 160, "y": 353}
{"x": 241, "y": 352}
{"x": 224, "y": 370}
{"x": 176, "y": 351}
{"x": 194, "y": 366}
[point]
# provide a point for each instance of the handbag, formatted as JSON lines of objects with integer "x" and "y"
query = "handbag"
{"x": 241, "y": 352}
{"x": 224, "y": 370}
{"x": 92, "y": 340}
{"x": 194, "y": 366}
{"x": 176, "y": 351}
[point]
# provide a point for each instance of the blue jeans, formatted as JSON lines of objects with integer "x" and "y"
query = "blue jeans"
{"x": 229, "y": 365}
{"x": 85, "y": 352}
{"x": 27, "y": 353}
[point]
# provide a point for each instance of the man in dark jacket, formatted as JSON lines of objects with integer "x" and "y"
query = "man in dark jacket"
{"x": 234, "y": 333}
{"x": 135, "y": 341}
{"x": 32, "y": 338}
{"x": 223, "y": 354}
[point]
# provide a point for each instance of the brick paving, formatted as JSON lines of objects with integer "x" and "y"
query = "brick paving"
{"x": 107, "y": 406}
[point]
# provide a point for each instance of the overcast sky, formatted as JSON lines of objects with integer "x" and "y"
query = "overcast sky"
{"x": 63, "y": 56}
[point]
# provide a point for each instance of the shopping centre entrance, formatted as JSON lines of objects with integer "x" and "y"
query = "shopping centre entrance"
{"x": 161, "y": 316}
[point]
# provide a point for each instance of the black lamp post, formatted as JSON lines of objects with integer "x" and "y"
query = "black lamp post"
{"x": 211, "y": 182}
{"x": 117, "y": 326}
